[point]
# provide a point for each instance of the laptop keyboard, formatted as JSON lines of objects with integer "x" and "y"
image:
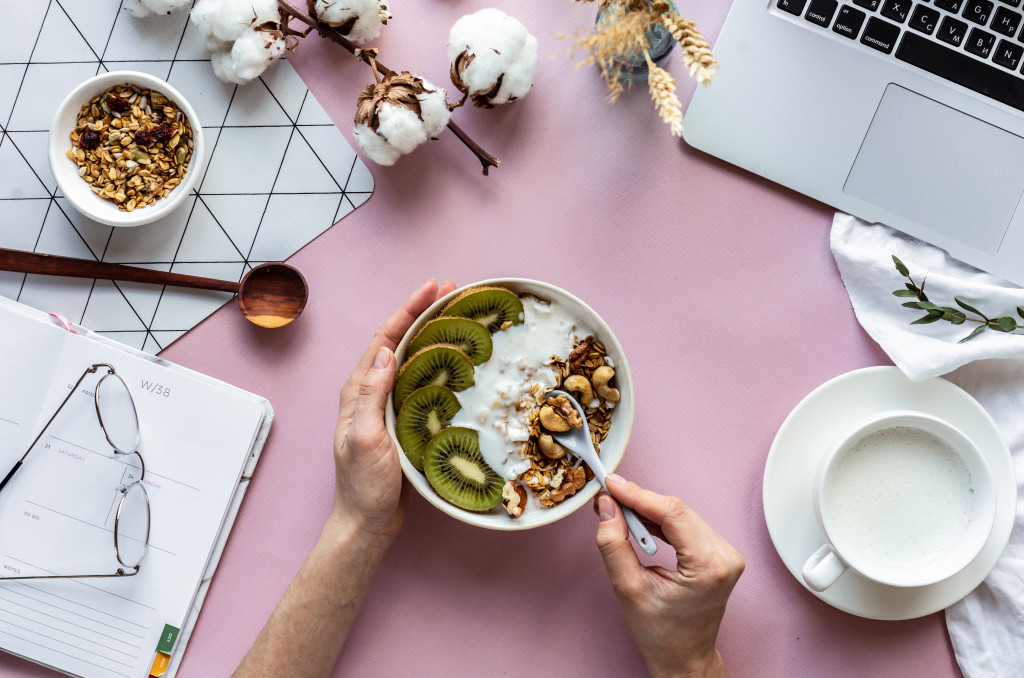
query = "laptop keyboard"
{"x": 978, "y": 44}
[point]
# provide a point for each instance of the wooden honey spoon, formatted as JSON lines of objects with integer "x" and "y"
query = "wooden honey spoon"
{"x": 270, "y": 295}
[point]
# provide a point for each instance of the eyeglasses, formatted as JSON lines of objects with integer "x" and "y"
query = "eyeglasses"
{"x": 115, "y": 411}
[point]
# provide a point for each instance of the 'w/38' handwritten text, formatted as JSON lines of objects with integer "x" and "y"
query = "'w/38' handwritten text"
{"x": 155, "y": 388}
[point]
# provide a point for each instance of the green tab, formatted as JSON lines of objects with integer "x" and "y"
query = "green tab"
{"x": 167, "y": 639}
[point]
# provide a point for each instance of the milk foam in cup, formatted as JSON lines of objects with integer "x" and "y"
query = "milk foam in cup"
{"x": 905, "y": 499}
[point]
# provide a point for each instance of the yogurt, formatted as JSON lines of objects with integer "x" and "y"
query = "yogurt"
{"x": 509, "y": 387}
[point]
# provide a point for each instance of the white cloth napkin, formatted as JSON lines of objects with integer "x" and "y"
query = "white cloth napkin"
{"x": 986, "y": 627}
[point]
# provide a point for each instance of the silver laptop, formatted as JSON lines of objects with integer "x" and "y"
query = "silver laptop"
{"x": 904, "y": 112}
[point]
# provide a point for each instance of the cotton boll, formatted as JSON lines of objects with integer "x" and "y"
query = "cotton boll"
{"x": 223, "y": 68}
{"x": 228, "y": 20}
{"x": 390, "y": 124}
{"x": 250, "y": 55}
{"x": 492, "y": 56}
{"x": 359, "y": 20}
{"x": 376, "y": 147}
{"x": 401, "y": 128}
{"x": 434, "y": 109}
{"x": 143, "y": 8}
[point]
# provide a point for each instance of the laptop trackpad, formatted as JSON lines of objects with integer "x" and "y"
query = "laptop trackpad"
{"x": 941, "y": 168}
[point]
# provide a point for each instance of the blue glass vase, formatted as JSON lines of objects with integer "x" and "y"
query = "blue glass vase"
{"x": 633, "y": 66}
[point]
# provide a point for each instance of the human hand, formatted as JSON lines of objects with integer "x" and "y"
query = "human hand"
{"x": 673, "y": 615}
{"x": 369, "y": 494}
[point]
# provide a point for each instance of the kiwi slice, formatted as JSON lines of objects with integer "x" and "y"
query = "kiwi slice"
{"x": 472, "y": 337}
{"x": 438, "y": 365}
{"x": 457, "y": 470}
{"x": 423, "y": 415}
{"x": 492, "y": 307}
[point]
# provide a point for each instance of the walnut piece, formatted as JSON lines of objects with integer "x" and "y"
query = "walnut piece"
{"x": 572, "y": 480}
{"x": 578, "y": 355}
{"x": 513, "y": 498}
{"x": 564, "y": 408}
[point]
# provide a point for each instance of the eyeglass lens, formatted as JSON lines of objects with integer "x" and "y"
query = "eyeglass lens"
{"x": 116, "y": 411}
{"x": 132, "y": 525}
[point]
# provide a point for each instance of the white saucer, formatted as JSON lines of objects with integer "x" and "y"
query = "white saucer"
{"x": 793, "y": 459}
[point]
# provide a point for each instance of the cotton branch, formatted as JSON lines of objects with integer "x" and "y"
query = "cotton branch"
{"x": 289, "y": 12}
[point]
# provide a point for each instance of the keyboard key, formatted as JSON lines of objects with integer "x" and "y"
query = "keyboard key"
{"x": 949, "y": 5}
{"x": 880, "y": 34}
{"x": 980, "y": 43}
{"x": 868, "y": 4}
{"x": 896, "y": 10}
{"x": 924, "y": 19}
{"x": 1008, "y": 54}
{"x": 1005, "y": 21}
{"x": 961, "y": 69}
{"x": 978, "y": 11}
{"x": 952, "y": 31}
{"x": 820, "y": 12}
{"x": 792, "y": 6}
{"x": 848, "y": 22}
{"x": 1012, "y": 3}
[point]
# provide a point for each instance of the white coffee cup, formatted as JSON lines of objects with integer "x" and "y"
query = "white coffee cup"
{"x": 903, "y": 498}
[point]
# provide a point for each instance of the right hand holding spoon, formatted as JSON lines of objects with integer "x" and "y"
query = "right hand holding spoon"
{"x": 673, "y": 615}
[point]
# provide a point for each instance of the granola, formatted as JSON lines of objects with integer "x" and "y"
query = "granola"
{"x": 131, "y": 145}
{"x": 547, "y": 477}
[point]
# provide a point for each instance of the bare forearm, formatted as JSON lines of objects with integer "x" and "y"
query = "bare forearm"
{"x": 305, "y": 633}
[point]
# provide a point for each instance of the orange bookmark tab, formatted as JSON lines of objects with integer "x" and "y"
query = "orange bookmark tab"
{"x": 160, "y": 664}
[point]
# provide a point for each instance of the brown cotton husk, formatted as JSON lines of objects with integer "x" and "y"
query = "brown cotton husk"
{"x": 479, "y": 99}
{"x": 343, "y": 29}
{"x": 398, "y": 89}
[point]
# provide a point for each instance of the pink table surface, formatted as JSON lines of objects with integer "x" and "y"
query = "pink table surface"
{"x": 720, "y": 286}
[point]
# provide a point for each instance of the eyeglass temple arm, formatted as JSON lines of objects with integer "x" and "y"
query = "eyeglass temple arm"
{"x": 74, "y": 389}
{"x": 120, "y": 573}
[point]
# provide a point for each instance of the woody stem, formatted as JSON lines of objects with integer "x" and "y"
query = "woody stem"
{"x": 290, "y": 11}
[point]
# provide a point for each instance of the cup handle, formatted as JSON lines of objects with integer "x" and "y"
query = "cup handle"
{"x": 823, "y": 568}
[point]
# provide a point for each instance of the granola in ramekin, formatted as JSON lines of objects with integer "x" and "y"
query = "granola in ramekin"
{"x": 132, "y": 146}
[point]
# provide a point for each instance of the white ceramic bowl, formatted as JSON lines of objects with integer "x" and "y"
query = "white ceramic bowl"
{"x": 612, "y": 448}
{"x": 78, "y": 192}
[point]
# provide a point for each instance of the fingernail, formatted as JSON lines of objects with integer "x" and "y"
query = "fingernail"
{"x": 383, "y": 358}
{"x": 615, "y": 479}
{"x": 605, "y": 508}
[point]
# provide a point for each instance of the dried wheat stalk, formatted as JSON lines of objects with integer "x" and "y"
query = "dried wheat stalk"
{"x": 622, "y": 34}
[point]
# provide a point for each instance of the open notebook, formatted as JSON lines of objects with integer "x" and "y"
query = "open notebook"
{"x": 200, "y": 439}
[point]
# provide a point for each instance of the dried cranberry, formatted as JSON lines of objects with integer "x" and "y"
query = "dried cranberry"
{"x": 118, "y": 105}
{"x": 143, "y": 137}
{"x": 89, "y": 139}
{"x": 162, "y": 132}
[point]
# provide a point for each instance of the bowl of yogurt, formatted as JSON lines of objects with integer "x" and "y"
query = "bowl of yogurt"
{"x": 501, "y": 397}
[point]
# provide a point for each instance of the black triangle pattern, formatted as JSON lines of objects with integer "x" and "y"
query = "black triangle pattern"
{"x": 31, "y": 205}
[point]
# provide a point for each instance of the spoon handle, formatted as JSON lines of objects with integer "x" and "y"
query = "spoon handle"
{"x": 639, "y": 531}
{"x": 50, "y": 264}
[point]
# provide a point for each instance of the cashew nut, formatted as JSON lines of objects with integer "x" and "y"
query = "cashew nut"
{"x": 549, "y": 448}
{"x": 581, "y": 386}
{"x": 602, "y": 375}
{"x": 553, "y": 421}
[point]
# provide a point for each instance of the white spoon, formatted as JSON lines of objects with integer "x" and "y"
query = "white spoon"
{"x": 578, "y": 442}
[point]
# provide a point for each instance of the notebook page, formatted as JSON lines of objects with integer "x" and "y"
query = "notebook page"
{"x": 28, "y": 358}
{"x": 58, "y": 519}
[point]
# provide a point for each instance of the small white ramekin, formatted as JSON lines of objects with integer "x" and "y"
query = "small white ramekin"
{"x": 65, "y": 171}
